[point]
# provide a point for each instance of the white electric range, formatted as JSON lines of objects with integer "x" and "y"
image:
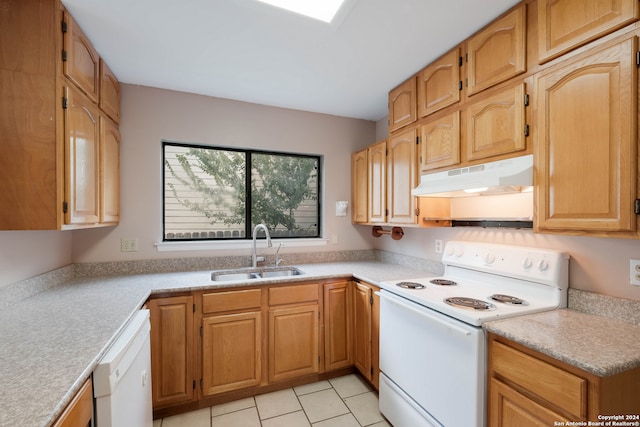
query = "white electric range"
{"x": 432, "y": 346}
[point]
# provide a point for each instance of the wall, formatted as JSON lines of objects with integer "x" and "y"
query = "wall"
{"x": 150, "y": 115}
{"x": 597, "y": 264}
{"x": 25, "y": 254}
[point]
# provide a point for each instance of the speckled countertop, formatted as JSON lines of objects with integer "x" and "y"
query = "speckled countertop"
{"x": 52, "y": 341}
{"x": 599, "y": 345}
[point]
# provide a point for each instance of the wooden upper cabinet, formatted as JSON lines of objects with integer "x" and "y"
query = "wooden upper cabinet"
{"x": 81, "y": 62}
{"x": 82, "y": 153}
{"x": 402, "y": 177}
{"x": 377, "y": 159}
{"x": 109, "y": 92}
{"x": 109, "y": 171}
{"x": 359, "y": 187}
{"x": 586, "y": 144}
{"x": 403, "y": 105}
{"x": 439, "y": 84}
{"x": 440, "y": 142}
{"x": 496, "y": 125}
{"x": 498, "y": 52}
{"x": 566, "y": 24}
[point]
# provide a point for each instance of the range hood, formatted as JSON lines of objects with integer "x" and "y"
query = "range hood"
{"x": 503, "y": 190}
{"x": 501, "y": 177}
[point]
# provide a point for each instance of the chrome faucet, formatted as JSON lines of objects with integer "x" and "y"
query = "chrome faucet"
{"x": 254, "y": 257}
{"x": 278, "y": 259}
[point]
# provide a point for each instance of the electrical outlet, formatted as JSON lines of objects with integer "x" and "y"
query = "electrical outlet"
{"x": 634, "y": 272}
{"x": 438, "y": 247}
{"x": 128, "y": 244}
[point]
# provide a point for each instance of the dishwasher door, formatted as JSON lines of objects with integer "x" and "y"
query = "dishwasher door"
{"x": 122, "y": 379}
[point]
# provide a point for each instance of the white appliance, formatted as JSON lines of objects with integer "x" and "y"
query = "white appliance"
{"x": 433, "y": 350}
{"x": 122, "y": 379}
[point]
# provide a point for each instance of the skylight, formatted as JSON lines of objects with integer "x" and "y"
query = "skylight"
{"x": 323, "y": 10}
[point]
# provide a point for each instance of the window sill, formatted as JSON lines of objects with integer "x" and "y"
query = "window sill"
{"x": 234, "y": 244}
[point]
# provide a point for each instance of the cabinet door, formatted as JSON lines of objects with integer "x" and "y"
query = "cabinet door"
{"x": 79, "y": 413}
{"x": 586, "y": 150}
{"x": 403, "y": 105}
{"x": 173, "y": 379}
{"x": 496, "y": 125}
{"x": 439, "y": 84}
{"x": 402, "y": 177}
{"x": 362, "y": 302}
{"x": 377, "y": 155}
{"x": 359, "y": 187}
{"x": 440, "y": 142}
{"x": 293, "y": 342}
{"x": 231, "y": 352}
{"x": 497, "y": 53}
{"x": 109, "y": 171}
{"x": 567, "y": 24}
{"x": 81, "y": 63}
{"x": 82, "y": 169}
{"x": 109, "y": 92}
{"x": 337, "y": 325}
{"x": 509, "y": 408}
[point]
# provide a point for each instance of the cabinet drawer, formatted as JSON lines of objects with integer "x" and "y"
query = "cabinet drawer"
{"x": 80, "y": 410}
{"x": 552, "y": 384}
{"x": 293, "y": 294}
{"x": 231, "y": 300}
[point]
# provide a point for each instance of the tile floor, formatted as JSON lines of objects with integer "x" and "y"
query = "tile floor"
{"x": 340, "y": 402}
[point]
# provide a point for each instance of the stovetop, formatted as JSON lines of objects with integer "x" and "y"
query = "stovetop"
{"x": 538, "y": 277}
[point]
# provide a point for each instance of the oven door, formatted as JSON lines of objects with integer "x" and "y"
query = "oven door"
{"x": 434, "y": 360}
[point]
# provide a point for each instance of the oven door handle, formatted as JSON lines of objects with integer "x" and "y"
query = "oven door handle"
{"x": 422, "y": 312}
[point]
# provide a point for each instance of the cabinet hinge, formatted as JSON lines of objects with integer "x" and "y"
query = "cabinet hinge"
{"x": 636, "y": 208}
{"x": 417, "y": 211}
{"x": 638, "y": 59}
{"x": 417, "y": 140}
{"x": 65, "y": 207}
{"x": 466, "y": 57}
{"x": 65, "y": 103}
{"x": 526, "y": 130}
{"x": 64, "y": 55}
{"x": 460, "y": 85}
{"x": 526, "y": 99}
{"x": 64, "y": 26}
{"x": 370, "y": 299}
{"x": 201, "y": 384}
{"x": 200, "y": 330}
{"x": 460, "y": 61}
{"x": 194, "y": 384}
{"x": 194, "y": 308}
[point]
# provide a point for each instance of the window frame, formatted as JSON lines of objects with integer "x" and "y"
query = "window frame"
{"x": 248, "y": 175}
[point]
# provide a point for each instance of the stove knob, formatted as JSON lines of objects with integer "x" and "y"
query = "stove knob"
{"x": 543, "y": 265}
{"x": 489, "y": 258}
{"x": 449, "y": 251}
{"x": 527, "y": 263}
{"x": 459, "y": 252}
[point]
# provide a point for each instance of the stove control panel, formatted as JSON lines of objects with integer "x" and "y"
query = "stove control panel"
{"x": 527, "y": 263}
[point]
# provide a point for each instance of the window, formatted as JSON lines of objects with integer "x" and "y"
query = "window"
{"x": 215, "y": 193}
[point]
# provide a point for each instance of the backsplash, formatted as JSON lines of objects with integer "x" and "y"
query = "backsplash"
{"x": 625, "y": 310}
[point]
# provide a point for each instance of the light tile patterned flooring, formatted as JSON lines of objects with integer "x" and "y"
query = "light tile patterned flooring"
{"x": 340, "y": 402}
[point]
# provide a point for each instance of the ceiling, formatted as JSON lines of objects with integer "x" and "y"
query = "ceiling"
{"x": 249, "y": 51}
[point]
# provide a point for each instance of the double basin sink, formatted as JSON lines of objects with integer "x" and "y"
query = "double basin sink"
{"x": 254, "y": 273}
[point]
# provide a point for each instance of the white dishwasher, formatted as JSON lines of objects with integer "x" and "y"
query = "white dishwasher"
{"x": 122, "y": 379}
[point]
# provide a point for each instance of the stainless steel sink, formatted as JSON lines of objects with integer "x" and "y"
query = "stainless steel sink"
{"x": 222, "y": 276}
{"x": 255, "y": 273}
{"x": 280, "y": 272}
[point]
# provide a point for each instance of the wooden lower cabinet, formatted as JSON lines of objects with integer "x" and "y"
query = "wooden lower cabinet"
{"x": 231, "y": 352}
{"x": 79, "y": 413}
{"x": 337, "y": 325}
{"x": 214, "y": 346}
{"x": 527, "y": 388}
{"x": 366, "y": 331}
{"x": 293, "y": 342}
{"x": 172, "y": 350}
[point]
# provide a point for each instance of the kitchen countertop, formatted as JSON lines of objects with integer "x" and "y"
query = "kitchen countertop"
{"x": 579, "y": 339}
{"x": 53, "y": 340}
